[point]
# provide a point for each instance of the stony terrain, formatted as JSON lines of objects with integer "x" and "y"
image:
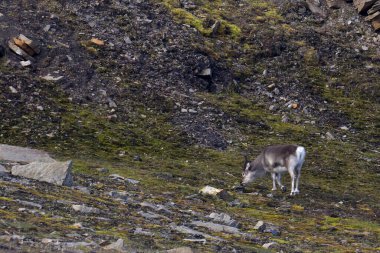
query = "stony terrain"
{"x": 153, "y": 100}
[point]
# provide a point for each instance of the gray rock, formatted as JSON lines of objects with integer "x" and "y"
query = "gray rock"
{"x": 269, "y": 245}
{"x": 216, "y": 227}
{"x": 203, "y": 241}
{"x": 131, "y": 181}
{"x": 224, "y": 218}
{"x": 190, "y": 231}
{"x": 157, "y": 208}
{"x": 181, "y": 250}
{"x": 127, "y": 40}
{"x": 20, "y": 154}
{"x": 58, "y": 173}
{"x": 117, "y": 246}
{"x": 102, "y": 170}
{"x": 205, "y": 72}
{"x": 73, "y": 245}
{"x": 137, "y": 158}
{"x": 149, "y": 215}
{"x": 85, "y": 209}
{"x": 13, "y": 89}
{"x": 82, "y": 189}
{"x": 28, "y": 203}
{"x": 111, "y": 103}
{"x": 116, "y": 177}
{"x": 330, "y": 136}
{"x": 260, "y": 226}
{"x": 140, "y": 231}
{"x": 47, "y": 28}
{"x": 3, "y": 170}
{"x": 49, "y": 77}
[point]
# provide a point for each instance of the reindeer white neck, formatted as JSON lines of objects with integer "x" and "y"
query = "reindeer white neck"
{"x": 276, "y": 160}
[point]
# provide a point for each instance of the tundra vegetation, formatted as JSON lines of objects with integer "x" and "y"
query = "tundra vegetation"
{"x": 140, "y": 106}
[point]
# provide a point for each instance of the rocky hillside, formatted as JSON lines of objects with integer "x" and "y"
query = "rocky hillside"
{"x": 154, "y": 100}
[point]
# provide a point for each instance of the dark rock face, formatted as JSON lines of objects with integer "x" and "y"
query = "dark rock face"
{"x": 2, "y": 51}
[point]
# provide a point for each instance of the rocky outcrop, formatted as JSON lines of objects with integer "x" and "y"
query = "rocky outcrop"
{"x": 58, "y": 173}
{"x": 23, "y": 155}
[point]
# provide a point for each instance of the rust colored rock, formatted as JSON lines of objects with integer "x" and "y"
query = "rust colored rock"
{"x": 97, "y": 42}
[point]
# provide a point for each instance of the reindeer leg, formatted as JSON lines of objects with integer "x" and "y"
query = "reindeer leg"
{"x": 293, "y": 176}
{"x": 296, "y": 191}
{"x": 278, "y": 179}
{"x": 274, "y": 181}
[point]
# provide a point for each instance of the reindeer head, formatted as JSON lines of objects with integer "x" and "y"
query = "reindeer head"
{"x": 251, "y": 171}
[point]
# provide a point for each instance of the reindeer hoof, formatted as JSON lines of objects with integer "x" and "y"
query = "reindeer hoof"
{"x": 283, "y": 189}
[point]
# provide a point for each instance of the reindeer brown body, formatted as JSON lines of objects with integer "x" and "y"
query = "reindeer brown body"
{"x": 276, "y": 160}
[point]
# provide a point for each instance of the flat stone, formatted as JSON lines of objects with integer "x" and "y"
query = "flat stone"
{"x": 85, "y": 209}
{"x": 21, "y": 154}
{"x": 116, "y": 177}
{"x": 71, "y": 245}
{"x": 203, "y": 241}
{"x": 131, "y": 181}
{"x": 140, "y": 231}
{"x": 117, "y": 246}
{"x": 224, "y": 218}
{"x": 205, "y": 72}
{"x": 49, "y": 77}
{"x": 181, "y": 250}
{"x": 190, "y": 231}
{"x": 28, "y": 203}
{"x": 216, "y": 227}
{"x": 58, "y": 173}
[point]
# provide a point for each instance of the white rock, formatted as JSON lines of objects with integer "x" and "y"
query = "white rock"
{"x": 330, "y": 136}
{"x": 116, "y": 177}
{"x": 25, "y": 63}
{"x": 184, "y": 110}
{"x": 117, "y": 246}
{"x": 47, "y": 28}
{"x": 344, "y": 128}
{"x": 209, "y": 190}
{"x": 260, "y": 225}
{"x": 85, "y": 209}
{"x": 13, "y": 89}
{"x": 205, "y": 72}
{"x": 49, "y": 77}
{"x": 181, "y": 250}
{"x": 58, "y": 173}
{"x": 269, "y": 245}
{"x": 216, "y": 227}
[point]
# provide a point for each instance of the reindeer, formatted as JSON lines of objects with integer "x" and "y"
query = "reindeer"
{"x": 276, "y": 160}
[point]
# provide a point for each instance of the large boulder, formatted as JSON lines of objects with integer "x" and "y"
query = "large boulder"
{"x": 23, "y": 155}
{"x": 58, "y": 173}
